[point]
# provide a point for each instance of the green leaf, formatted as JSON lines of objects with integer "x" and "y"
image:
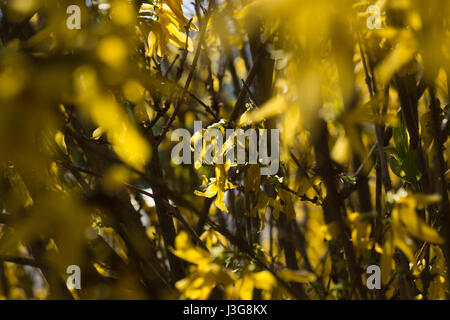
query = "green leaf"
{"x": 396, "y": 166}
{"x": 401, "y": 140}
{"x": 222, "y": 123}
{"x": 351, "y": 180}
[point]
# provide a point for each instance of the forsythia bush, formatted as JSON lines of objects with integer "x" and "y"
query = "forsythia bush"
{"x": 92, "y": 92}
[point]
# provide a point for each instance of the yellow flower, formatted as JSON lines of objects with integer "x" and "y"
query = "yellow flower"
{"x": 206, "y": 274}
{"x": 218, "y": 186}
{"x": 406, "y": 223}
{"x": 169, "y": 27}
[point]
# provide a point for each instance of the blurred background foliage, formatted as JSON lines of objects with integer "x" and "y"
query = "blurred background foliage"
{"x": 86, "y": 176}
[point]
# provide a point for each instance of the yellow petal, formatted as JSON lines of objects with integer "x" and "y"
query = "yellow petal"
{"x": 273, "y": 107}
{"x": 264, "y": 280}
{"x": 219, "y": 201}
{"x": 301, "y": 276}
{"x": 210, "y": 192}
{"x": 418, "y": 228}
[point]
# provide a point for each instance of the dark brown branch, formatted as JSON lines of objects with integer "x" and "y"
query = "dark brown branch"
{"x": 19, "y": 260}
{"x": 334, "y": 206}
{"x": 240, "y": 102}
{"x": 247, "y": 249}
{"x": 191, "y": 71}
{"x": 5, "y": 219}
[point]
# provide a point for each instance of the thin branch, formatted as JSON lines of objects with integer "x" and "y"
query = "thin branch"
{"x": 5, "y": 219}
{"x": 240, "y": 102}
{"x": 246, "y": 248}
{"x": 191, "y": 71}
{"x": 19, "y": 260}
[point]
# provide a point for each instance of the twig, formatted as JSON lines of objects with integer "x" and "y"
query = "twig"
{"x": 240, "y": 102}
{"x": 19, "y": 260}
{"x": 246, "y": 248}
{"x": 191, "y": 72}
{"x": 5, "y": 219}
